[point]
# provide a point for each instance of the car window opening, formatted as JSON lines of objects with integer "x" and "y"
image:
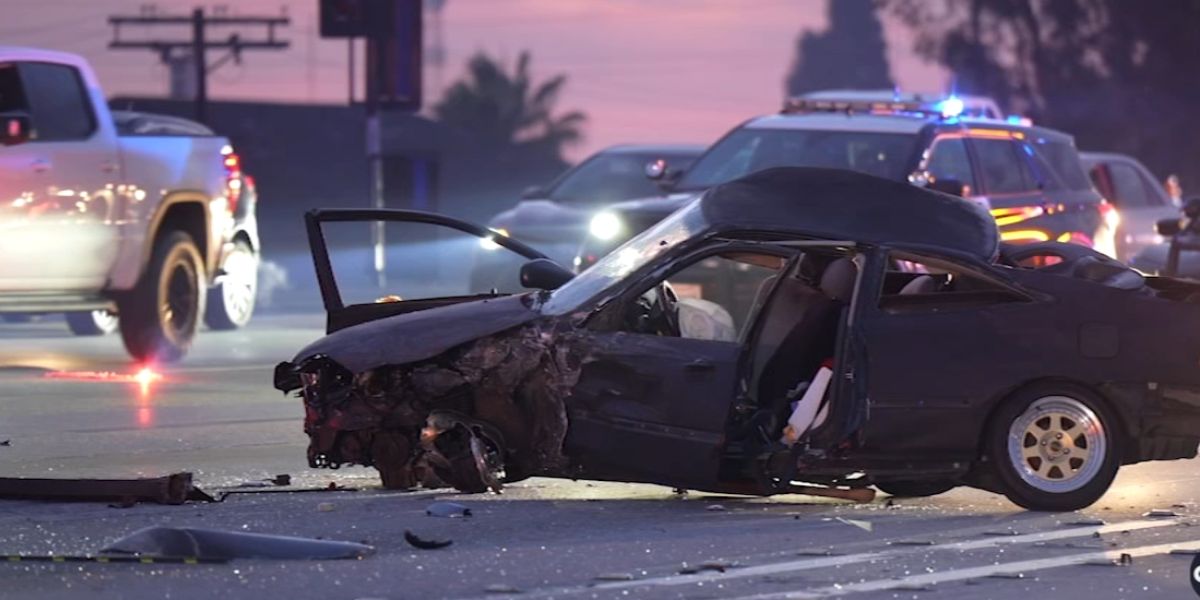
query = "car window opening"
{"x": 919, "y": 284}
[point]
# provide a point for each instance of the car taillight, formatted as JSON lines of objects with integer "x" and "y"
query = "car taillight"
{"x": 233, "y": 178}
{"x": 1109, "y": 213}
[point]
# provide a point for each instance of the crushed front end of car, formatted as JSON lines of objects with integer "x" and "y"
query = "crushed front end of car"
{"x": 482, "y": 413}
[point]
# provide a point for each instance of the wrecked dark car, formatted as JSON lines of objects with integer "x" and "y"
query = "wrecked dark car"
{"x": 848, "y": 332}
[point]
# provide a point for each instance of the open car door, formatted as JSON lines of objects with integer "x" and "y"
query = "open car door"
{"x": 375, "y": 263}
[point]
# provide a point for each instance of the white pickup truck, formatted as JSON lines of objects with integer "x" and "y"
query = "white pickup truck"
{"x": 146, "y": 217}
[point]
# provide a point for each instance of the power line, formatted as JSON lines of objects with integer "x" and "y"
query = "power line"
{"x": 197, "y": 47}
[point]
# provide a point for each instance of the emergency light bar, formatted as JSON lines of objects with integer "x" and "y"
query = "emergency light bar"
{"x": 888, "y": 103}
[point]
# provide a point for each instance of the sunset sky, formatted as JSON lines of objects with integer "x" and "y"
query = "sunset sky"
{"x": 661, "y": 71}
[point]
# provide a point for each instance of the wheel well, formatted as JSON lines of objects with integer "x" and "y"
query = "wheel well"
{"x": 190, "y": 218}
{"x": 1127, "y": 442}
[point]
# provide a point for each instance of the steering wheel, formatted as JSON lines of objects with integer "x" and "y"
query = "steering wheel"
{"x": 660, "y": 316}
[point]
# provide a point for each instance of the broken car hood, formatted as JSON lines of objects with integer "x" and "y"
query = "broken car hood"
{"x": 422, "y": 334}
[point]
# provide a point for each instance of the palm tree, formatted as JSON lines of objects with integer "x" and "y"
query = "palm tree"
{"x": 508, "y": 112}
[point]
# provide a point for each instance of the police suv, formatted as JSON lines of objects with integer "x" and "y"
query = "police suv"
{"x": 1030, "y": 178}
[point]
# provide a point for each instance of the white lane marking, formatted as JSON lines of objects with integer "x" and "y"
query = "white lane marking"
{"x": 849, "y": 559}
{"x": 924, "y": 579}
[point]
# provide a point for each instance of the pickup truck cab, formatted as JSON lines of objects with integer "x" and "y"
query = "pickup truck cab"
{"x": 140, "y": 219}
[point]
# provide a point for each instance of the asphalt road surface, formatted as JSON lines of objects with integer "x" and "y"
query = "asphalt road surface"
{"x": 217, "y": 416}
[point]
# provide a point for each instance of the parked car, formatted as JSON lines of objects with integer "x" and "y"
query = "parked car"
{"x": 1029, "y": 177}
{"x": 1142, "y": 201}
{"x": 134, "y": 214}
{"x": 963, "y": 369}
{"x": 555, "y": 217}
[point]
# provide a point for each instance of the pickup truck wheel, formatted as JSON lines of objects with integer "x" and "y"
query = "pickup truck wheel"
{"x": 95, "y": 322}
{"x": 160, "y": 315}
{"x": 231, "y": 300}
{"x": 1054, "y": 447}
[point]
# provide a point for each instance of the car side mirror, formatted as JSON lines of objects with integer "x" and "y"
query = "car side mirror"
{"x": 544, "y": 274}
{"x": 14, "y": 129}
{"x": 533, "y": 192}
{"x": 954, "y": 187}
{"x": 1168, "y": 227}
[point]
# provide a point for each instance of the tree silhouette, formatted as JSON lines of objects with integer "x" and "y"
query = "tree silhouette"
{"x": 851, "y": 54}
{"x": 1111, "y": 72}
{"x": 508, "y": 112}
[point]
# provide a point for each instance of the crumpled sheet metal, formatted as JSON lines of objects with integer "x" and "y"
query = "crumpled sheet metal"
{"x": 212, "y": 544}
{"x": 512, "y": 384}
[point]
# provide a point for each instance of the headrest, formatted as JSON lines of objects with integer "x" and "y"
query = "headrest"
{"x": 838, "y": 279}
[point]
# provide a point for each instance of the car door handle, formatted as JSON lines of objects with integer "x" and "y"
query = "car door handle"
{"x": 700, "y": 364}
{"x": 40, "y": 165}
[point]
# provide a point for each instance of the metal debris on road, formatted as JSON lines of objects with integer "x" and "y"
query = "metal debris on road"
{"x": 176, "y": 488}
{"x": 418, "y": 542}
{"x": 6, "y": 443}
{"x": 1161, "y": 512}
{"x": 226, "y": 545}
{"x": 715, "y": 508}
{"x": 1123, "y": 561}
{"x": 450, "y": 510}
{"x": 863, "y": 525}
{"x": 720, "y": 566}
{"x": 911, "y": 543}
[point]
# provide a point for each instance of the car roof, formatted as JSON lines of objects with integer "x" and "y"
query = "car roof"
{"x": 692, "y": 149}
{"x": 892, "y": 123}
{"x": 1091, "y": 158}
{"x": 837, "y": 204}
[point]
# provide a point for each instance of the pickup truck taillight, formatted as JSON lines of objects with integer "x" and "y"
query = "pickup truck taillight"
{"x": 233, "y": 178}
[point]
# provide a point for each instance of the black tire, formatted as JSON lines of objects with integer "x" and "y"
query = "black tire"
{"x": 231, "y": 301}
{"x": 160, "y": 315}
{"x": 1053, "y": 412}
{"x": 91, "y": 323}
{"x": 915, "y": 489}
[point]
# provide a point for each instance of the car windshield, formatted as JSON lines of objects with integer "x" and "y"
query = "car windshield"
{"x": 612, "y": 177}
{"x": 629, "y": 257}
{"x": 749, "y": 149}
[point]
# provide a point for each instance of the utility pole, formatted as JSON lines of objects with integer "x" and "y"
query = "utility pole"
{"x": 199, "y": 44}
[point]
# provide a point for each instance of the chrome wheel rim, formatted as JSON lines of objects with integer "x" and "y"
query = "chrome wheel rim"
{"x": 1057, "y": 445}
{"x": 239, "y": 283}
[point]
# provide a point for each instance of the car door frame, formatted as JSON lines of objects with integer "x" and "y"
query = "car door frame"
{"x": 338, "y": 314}
{"x": 662, "y": 447}
{"x": 970, "y": 409}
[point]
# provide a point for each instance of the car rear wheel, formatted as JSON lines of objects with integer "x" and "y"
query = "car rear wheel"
{"x": 160, "y": 315}
{"x": 94, "y": 322}
{"x": 915, "y": 489}
{"x": 231, "y": 300}
{"x": 1055, "y": 448}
